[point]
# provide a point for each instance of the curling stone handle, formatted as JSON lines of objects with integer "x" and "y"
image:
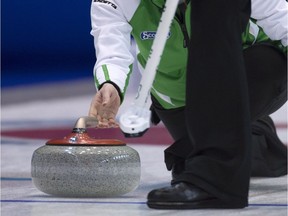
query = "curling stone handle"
{"x": 86, "y": 122}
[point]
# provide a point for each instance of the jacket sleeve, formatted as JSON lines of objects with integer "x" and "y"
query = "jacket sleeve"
{"x": 112, "y": 42}
{"x": 272, "y": 16}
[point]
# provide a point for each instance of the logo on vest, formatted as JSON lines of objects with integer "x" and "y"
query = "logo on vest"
{"x": 150, "y": 35}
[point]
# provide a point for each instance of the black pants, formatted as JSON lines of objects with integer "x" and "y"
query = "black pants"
{"x": 266, "y": 69}
{"x": 213, "y": 132}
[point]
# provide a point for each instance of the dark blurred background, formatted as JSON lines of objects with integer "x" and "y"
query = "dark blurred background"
{"x": 45, "y": 41}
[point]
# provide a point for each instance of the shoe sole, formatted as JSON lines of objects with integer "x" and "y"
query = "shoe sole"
{"x": 208, "y": 204}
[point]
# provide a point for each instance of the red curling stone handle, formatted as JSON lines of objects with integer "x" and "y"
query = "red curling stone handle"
{"x": 79, "y": 135}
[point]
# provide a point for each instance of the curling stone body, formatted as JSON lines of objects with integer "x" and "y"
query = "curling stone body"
{"x": 86, "y": 170}
{"x": 80, "y": 166}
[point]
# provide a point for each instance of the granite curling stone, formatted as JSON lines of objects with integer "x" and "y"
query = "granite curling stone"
{"x": 80, "y": 166}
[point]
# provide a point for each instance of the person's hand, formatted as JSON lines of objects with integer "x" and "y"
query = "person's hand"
{"x": 105, "y": 105}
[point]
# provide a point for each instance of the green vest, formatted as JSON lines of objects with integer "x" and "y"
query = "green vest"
{"x": 169, "y": 83}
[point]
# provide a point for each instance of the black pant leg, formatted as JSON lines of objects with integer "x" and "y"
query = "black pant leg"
{"x": 217, "y": 103}
{"x": 266, "y": 68}
{"x": 174, "y": 121}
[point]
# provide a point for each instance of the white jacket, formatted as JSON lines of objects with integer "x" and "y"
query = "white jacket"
{"x": 112, "y": 39}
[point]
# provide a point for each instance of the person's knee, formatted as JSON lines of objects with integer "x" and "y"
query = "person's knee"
{"x": 266, "y": 68}
{"x": 265, "y": 62}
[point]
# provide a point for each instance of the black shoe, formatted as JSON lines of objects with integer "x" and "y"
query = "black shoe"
{"x": 186, "y": 196}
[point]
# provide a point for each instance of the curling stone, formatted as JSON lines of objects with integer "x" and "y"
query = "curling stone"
{"x": 80, "y": 166}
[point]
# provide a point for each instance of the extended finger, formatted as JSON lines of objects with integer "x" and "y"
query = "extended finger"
{"x": 113, "y": 123}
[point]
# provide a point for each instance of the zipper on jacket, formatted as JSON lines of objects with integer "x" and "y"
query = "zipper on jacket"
{"x": 186, "y": 36}
{"x": 181, "y": 19}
